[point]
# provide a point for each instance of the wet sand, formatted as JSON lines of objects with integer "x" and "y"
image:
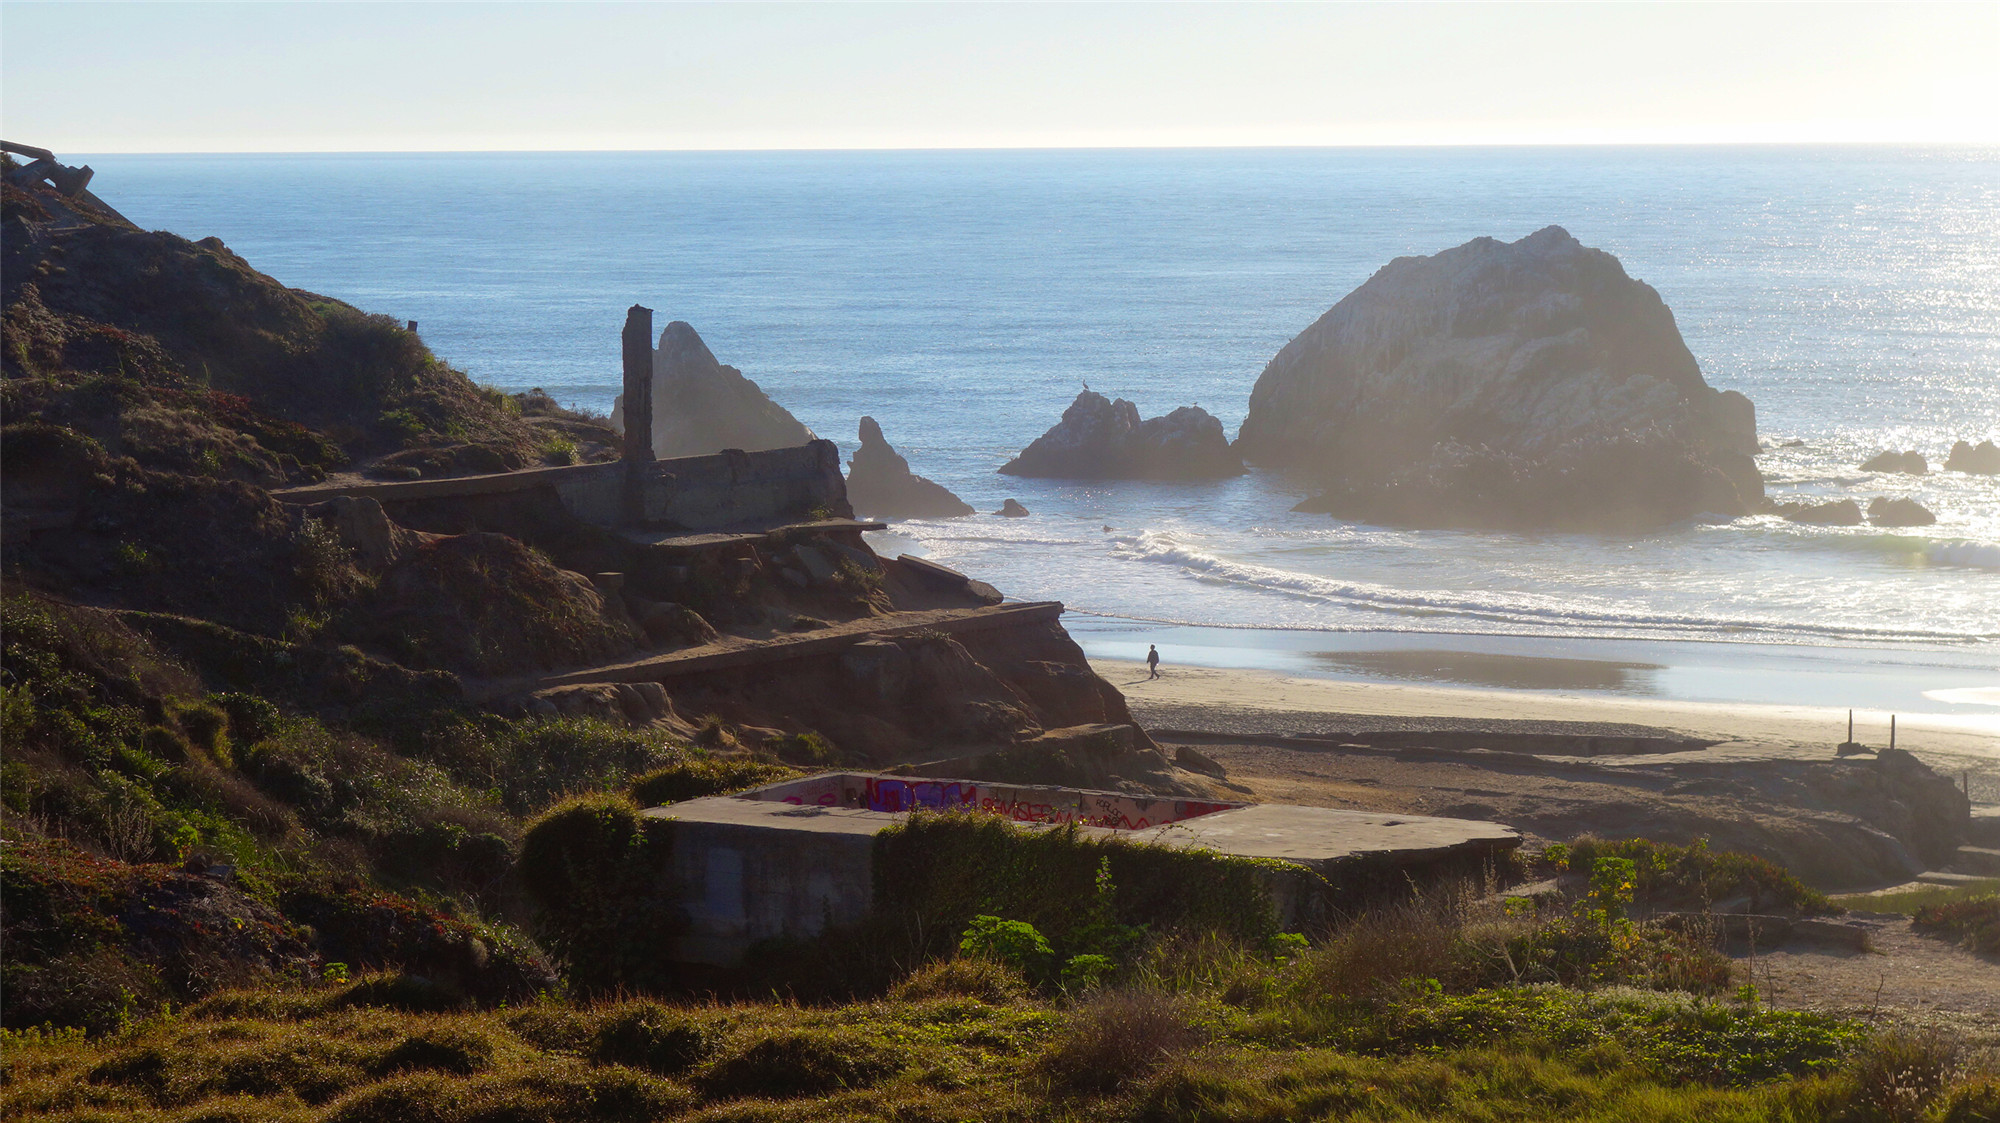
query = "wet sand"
{"x": 1261, "y": 702}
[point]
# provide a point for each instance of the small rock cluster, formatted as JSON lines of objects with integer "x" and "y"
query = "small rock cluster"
{"x": 1099, "y": 439}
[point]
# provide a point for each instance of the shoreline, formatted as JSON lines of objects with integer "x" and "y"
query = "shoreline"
{"x": 1250, "y": 700}
{"x": 1911, "y": 682}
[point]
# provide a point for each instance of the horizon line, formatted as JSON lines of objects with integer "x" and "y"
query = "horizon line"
{"x": 1113, "y": 147}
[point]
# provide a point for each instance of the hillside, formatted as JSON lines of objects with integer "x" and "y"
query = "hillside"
{"x": 329, "y": 727}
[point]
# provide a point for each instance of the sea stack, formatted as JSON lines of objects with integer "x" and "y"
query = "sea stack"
{"x": 880, "y": 483}
{"x": 1530, "y": 384}
{"x": 1099, "y": 439}
{"x": 701, "y": 406}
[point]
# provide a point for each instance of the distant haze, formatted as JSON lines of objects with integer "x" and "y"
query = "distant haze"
{"x": 381, "y": 77}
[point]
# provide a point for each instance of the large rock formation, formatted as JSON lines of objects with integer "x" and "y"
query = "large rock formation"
{"x": 879, "y": 482}
{"x": 701, "y": 406}
{"x": 1528, "y": 384}
{"x": 1099, "y": 439}
{"x": 1980, "y": 459}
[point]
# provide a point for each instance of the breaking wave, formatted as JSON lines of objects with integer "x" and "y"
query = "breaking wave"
{"x": 1514, "y": 609}
{"x": 1972, "y": 555}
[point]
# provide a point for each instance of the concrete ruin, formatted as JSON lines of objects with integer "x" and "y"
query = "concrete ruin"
{"x": 793, "y": 859}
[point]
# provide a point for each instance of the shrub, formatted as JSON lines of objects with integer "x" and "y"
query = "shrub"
{"x": 553, "y": 1028}
{"x": 1012, "y": 942}
{"x": 592, "y": 866}
{"x": 439, "y": 1049}
{"x": 399, "y": 991}
{"x": 1977, "y": 1101}
{"x": 1119, "y": 1036}
{"x": 1899, "y": 1074}
{"x": 650, "y": 1036}
{"x": 423, "y": 1098}
{"x": 973, "y": 977}
{"x": 314, "y": 1069}
{"x": 558, "y": 450}
{"x": 542, "y": 760}
{"x": 1693, "y": 876}
{"x": 251, "y": 719}
{"x": 1975, "y": 921}
{"x": 555, "y": 1093}
{"x": 692, "y": 777}
{"x": 803, "y": 1062}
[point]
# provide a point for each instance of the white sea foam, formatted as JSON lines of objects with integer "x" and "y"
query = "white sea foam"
{"x": 1974, "y": 555}
{"x": 1565, "y": 612}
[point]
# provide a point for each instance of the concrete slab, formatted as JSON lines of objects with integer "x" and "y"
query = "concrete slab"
{"x": 730, "y": 811}
{"x": 1319, "y": 836}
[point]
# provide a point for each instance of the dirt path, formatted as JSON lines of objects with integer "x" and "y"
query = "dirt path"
{"x": 1905, "y": 977}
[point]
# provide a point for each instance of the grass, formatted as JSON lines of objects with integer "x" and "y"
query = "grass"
{"x": 1908, "y": 901}
{"x": 1141, "y": 1054}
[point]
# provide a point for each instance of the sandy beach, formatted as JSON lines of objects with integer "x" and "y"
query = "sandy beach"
{"x": 1248, "y": 701}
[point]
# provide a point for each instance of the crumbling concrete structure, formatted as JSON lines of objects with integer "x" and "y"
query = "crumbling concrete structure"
{"x": 794, "y": 858}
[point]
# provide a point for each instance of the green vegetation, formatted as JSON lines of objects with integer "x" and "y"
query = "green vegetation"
{"x": 1974, "y": 920}
{"x": 1695, "y": 877}
{"x": 1908, "y": 901}
{"x": 259, "y": 861}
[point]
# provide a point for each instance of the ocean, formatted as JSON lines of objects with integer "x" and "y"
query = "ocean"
{"x": 964, "y": 298}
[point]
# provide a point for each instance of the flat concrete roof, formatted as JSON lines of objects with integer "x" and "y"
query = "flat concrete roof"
{"x": 1312, "y": 836}
{"x": 1321, "y": 834}
{"x": 729, "y": 811}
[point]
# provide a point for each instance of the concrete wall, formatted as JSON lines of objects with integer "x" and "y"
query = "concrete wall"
{"x": 742, "y": 882}
{"x": 1020, "y": 803}
{"x": 693, "y": 492}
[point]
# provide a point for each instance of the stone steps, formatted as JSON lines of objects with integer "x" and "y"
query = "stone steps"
{"x": 734, "y": 652}
{"x": 1952, "y": 880}
{"x": 1984, "y": 827}
{"x": 1980, "y": 861}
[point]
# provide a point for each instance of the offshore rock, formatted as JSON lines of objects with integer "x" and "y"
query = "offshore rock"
{"x": 1899, "y": 512}
{"x": 880, "y": 483}
{"x": 1099, "y": 439}
{"x": 1524, "y": 384}
{"x": 702, "y": 407}
{"x": 1981, "y": 459}
{"x": 1911, "y": 463}
{"x": 1012, "y": 509}
{"x": 1842, "y": 512}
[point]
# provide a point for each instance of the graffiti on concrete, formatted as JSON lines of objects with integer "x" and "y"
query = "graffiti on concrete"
{"x": 1022, "y": 804}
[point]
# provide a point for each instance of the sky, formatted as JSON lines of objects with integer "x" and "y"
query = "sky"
{"x": 167, "y": 77}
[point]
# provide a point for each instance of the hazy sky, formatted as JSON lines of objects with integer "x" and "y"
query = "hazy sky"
{"x": 87, "y": 77}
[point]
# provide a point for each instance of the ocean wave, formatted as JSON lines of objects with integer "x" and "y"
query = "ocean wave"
{"x": 1972, "y": 555}
{"x": 1518, "y": 609}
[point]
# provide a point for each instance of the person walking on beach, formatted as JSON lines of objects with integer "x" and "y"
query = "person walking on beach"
{"x": 1152, "y": 661}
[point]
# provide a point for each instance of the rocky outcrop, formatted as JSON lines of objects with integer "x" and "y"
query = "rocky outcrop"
{"x": 1911, "y": 463}
{"x": 1099, "y": 439}
{"x": 880, "y": 483}
{"x": 1840, "y": 512}
{"x": 1529, "y": 384}
{"x": 1899, "y": 512}
{"x": 1012, "y": 509}
{"x": 701, "y": 406}
{"x": 1981, "y": 459}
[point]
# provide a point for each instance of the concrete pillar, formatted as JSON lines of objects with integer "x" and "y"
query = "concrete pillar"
{"x": 639, "y": 385}
{"x": 639, "y": 456}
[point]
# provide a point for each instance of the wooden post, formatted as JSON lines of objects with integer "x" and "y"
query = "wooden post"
{"x": 638, "y": 348}
{"x": 1892, "y": 731}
